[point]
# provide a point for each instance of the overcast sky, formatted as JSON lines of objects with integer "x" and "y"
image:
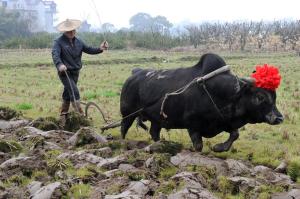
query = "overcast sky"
{"x": 118, "y": 12}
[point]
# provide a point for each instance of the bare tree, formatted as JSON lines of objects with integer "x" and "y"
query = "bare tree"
{"x": 243, "y": 33}
{"x": 289, "y": 32}
{"x": 230, "y": 31}
{"x": 262, "y": 32}
{"x": 215, "y": 33}
{"x": 199, "y": 34}
{"x": 294, "y": 33}
{"x": 194, "y": 35}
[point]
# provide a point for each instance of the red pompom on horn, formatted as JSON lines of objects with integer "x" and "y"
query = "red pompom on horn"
{"x": 267, "y": 77}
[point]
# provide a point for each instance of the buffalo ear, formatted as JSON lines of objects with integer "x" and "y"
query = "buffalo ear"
{"x": 248, "y": 80}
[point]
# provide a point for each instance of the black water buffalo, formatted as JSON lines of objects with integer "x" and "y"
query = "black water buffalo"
{"x": 224, "y": 102}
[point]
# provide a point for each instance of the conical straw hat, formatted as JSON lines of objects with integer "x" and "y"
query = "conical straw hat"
{"x": 68, "y": 25}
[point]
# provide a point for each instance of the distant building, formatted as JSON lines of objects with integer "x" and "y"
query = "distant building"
{"x": 85, "y": 27}
{"x": 39, "y": 13}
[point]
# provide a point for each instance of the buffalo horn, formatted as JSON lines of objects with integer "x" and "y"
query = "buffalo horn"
{"x": 248, "y": 80}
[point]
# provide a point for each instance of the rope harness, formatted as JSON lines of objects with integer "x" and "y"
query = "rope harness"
{"x": 196, "y": 80}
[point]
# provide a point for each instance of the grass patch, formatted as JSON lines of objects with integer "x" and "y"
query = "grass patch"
{"x": 7, "y": 113}
{"x": 168, "y": 172}
{"x": 89, "y": 95}
{"x": 209, "y": 173}
{"x": 39, "y": 175}
{"x": 120, "y": 84}
{"x": 109, "y": 94}
{"x": 24, "y": 106}
{"x": 265, "y": 192}
{"x": 55, "y": 165}
{"x": 75, "y": 121}
{"x": 139, "y": 155}
{"x": 10, "y": 146}
{"x": 46, "y": 124}
{"x": 17, "y": 180}
{"x": 115, "y": 145}
{"x": 225, "y": 187}
{"x": 114, "y": 189}
{"x": 168, "y": 187}
{"x": 164, "y": 146}
{"x": 52, "y": 154}
{"x": 80, "y": 173}
{"x": 80, "y": 191}
{"x": 293, "y": 169}
{"x": 136, "y": 176}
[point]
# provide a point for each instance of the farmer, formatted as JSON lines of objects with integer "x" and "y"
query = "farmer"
{"x": 66, "y": 53}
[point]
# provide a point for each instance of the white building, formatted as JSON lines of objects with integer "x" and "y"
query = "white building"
{"x": 39, "y": 13}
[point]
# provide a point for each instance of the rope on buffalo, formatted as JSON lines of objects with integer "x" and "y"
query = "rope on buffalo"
{"x": 211, "y": 99}
{"x": 196, "y": 80}
{"x": 118, "y": 122}
{"x": 177, "y": 92}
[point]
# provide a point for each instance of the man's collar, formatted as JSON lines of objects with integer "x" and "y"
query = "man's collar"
{"x": 66, "y": 38}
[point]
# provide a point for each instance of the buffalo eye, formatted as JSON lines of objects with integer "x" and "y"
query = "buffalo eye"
{"x": 258, "y": 99}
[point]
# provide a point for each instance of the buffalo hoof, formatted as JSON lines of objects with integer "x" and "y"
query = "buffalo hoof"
{"x": 198, "y": 147}
{"x": 219, "y": 148}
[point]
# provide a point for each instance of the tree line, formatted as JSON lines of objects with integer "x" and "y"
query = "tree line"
{"x": 158, "y": 33}
{"x": 274, "y": 35}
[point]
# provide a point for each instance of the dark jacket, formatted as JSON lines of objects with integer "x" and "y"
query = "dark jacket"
{"x": 63, "y": 52}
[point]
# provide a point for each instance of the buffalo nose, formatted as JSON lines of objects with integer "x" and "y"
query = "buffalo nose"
{"x": 279, "y": 120}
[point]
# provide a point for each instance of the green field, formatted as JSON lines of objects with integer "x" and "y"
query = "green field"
{"x": 28, "y": 82}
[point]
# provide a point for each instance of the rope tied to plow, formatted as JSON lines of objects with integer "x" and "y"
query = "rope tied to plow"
{"x": 196, "y": 80}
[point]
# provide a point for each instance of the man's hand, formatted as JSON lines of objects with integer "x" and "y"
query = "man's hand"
{"x": 104, "y": 45}
{"x": 62, "y": 68}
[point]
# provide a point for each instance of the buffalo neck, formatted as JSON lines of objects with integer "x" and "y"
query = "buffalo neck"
{"x": 238, "y": 115}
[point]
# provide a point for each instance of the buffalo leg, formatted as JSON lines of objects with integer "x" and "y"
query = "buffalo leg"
{"x": 226, "y": 145}
{"x": 125, "y": 125}
{"x": 196, "y": 139}
{"x": 155, "y": 131}
{"x": 141, "y": 124}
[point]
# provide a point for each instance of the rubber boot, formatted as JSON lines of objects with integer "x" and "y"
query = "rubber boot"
{"x": 63, "y": 113}
{"x": 77, "y": 107}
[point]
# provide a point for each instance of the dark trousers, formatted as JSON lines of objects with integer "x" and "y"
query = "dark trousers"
{"x": 69, "y": 85}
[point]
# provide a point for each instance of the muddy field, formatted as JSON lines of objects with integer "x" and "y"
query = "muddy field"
{"x": 37, "y": 159}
